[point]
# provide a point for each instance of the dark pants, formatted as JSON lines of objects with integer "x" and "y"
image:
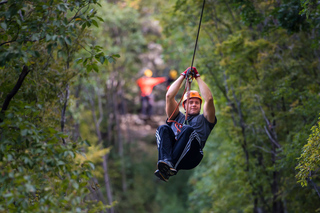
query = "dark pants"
{"x": 147, "y": 105}
{"x": 183, "y": 153}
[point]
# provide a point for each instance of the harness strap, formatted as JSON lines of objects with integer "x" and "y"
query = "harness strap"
{"x": 189, "y": 78}
{"x": 177, "y": 124}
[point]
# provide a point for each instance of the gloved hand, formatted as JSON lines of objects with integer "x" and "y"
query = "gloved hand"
{"x": 189, "y": 72}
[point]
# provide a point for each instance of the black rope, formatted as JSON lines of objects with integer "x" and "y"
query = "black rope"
{"x": 195, "y": 47}
{"x": 188, "y": 81}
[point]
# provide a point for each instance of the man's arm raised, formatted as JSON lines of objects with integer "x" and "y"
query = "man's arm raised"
{"x": 171, "y": 103}
{"x": 209, "y": 111}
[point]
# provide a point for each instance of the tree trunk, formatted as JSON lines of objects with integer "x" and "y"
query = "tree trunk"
{"x": 63, "y": 112}
{"x": 118, "y": 99}
{"x": 277, "y": 205}
{"x": 14, "y": 91}
{"x": 314, "y": 185}
{"x": 76, "y": 131}
{"x": 107, "y": 182}
{"x": 105, "y": 157}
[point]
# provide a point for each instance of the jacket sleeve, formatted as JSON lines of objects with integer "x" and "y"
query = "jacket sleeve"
{"x": 158, "y": 80}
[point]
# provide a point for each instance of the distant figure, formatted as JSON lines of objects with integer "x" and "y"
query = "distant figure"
{"x": 146, "y": 84}
{"x": 180, "y": 143}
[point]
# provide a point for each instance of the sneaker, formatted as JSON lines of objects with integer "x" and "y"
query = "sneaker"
{"x": 162, "y": 177}
{"x": 165, "y": 167}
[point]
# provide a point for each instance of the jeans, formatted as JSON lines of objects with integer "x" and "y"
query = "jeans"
{"x": 185, "y": 152}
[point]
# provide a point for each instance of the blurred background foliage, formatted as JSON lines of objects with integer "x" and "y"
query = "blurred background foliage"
{"x": 71, "y": 138}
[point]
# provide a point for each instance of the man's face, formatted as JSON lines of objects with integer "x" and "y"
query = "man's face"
{"x": 194, "y": 106}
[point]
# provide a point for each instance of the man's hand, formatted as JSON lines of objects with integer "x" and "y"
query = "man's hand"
{"x": 193, "y": 72}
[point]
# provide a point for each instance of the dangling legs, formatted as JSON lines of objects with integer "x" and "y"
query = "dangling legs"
{"x": 187, "y": 152}
{"x": 165, "y": 142}
{"x": 183, "y": 153}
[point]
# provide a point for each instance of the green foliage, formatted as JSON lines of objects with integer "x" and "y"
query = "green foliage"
{"x": 249, "y": 15}
{"x": 290, "y": 18}
{"x": 39, "y": 172}
{"x": 310, "y": 158}
{"x": 101, "y": 94}
{"x": 308, "y": 7}
{"x": 34, "y": 160}
{"x": 38, "y": 29}
{"x": 257, "y": 57}
{"x": 263, "y": 72}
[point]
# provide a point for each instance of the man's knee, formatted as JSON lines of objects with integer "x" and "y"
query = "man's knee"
{"x": 186, "y": 131}
{"x": 165, "y": 131}
{"x": 164, "y": 128}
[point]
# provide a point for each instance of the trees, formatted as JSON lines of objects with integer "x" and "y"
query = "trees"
{"x": 309, "y": 160}
{"x": 263, "y": 71}
{"x": 260, "y": 58}
{"x": 37, "y": 156}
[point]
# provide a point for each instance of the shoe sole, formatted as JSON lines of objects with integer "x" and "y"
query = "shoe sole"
{"x": 165, "y": 169}
{"x": 160, "y": 176}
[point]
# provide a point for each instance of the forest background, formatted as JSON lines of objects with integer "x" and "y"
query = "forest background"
{"x": 70, "y": 136}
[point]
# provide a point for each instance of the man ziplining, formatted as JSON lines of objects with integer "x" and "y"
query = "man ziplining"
{"x": 180, "y": 146}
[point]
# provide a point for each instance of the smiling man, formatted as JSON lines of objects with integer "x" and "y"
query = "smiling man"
{"x": 180, "y": 146}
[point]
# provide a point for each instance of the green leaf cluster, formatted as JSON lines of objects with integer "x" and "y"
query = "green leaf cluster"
{"x": 260, "y": 62}
{"x": 310, "y": 158}
{"x": 39, "y": 168}
{"x": 39, "y": 172}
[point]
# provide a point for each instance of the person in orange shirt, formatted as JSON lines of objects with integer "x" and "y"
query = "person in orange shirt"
{"x": 146, "y": 84}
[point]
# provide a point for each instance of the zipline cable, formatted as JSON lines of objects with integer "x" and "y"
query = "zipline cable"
{"x": 189, "y": 80}
{"x": 195, "y": 46}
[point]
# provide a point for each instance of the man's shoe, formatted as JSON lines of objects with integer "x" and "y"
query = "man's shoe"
{"x": 161, "y": 176}
{"x": 165, "y": 167}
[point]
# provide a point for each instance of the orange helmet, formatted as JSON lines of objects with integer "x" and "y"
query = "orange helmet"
{"x": 193, "y": 94}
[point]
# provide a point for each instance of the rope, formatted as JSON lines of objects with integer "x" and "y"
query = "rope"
{"x": 189, "y": 77}
{"x": 195, "y": 46}
{"x": 187, "y": 88}
{"x": 188, "y": 83}
{"x": 177, "y": 124}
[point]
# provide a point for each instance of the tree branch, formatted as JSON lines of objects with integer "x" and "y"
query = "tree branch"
{"x": 7, "y": 42}
{"x": 271, "y": 138}
{"x": 265, "y": 150}
{"x": 63, "y": 113}
{"x": 95, "y": 120}
{"x": 14, "y": 91}
{"x": 79, "y": 10}
{"x": 21, "y": 16}
{"x": 99, "y": 103}
{"x": 314, "y": 185}
{"x": 3, "y": 2}
{"x": 15, "y": 39}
